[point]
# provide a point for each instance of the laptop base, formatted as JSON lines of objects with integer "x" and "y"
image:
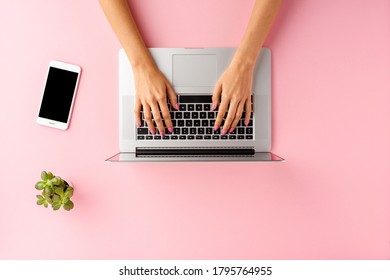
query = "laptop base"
{"x": 131, "y": 157}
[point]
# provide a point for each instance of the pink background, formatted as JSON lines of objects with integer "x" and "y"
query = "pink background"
{"x": 331, "y": 121}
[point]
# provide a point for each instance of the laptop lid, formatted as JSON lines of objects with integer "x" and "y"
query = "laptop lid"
{"x": 194, "y": 72}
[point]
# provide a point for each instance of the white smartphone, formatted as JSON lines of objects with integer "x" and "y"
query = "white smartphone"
{"x": 59, "y": 94}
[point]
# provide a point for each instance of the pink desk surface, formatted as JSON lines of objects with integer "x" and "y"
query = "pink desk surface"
{"x": 331, "y": 121}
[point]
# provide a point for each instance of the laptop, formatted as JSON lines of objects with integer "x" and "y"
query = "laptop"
{"x": 193, "y": 73}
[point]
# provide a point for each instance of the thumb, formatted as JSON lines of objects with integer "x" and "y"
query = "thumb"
{"x": 216, "y": 95}
{"x": 172, "y": 96}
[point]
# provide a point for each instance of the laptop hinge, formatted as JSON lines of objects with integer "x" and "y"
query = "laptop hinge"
{"x": 236, "y": 151}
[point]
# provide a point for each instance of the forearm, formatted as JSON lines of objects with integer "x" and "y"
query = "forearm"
{"x": 122, "y": 22}
{"x": 260, "y": 22}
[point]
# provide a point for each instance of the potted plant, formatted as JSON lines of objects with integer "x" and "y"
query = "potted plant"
{"x": 55, "y": 191}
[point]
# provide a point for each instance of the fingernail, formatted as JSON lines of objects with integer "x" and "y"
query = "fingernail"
{"x": 138, "y": 125}
{"x": 153, "y": 131}
{"x": 246, "y": 123}
{"x": 213, "y": 107}
{"x": 216, "y": 128}
{"x": 162, "y": 133}
{"x": 231, "y": 129}
{"x": 224, "y": 132}
{"x": 170, "y": 129}
{"x": 177, "y": 106}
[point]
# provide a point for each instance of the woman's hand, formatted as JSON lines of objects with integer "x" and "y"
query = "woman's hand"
{"x": 152, "y": 89}
{"x": 233, "y": 93}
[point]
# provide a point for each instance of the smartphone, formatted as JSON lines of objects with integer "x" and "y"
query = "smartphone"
{"x": 59, "y": 94}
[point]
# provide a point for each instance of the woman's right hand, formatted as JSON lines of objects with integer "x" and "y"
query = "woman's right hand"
{"x": 152, "y": 90}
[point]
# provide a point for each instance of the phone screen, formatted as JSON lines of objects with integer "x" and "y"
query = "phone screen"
{"x": 58, "y": 94}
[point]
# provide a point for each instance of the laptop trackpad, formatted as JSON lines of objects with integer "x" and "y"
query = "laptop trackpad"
{"x": 194, "y": 70}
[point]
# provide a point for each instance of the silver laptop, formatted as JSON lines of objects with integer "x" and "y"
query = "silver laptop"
{"x": 193, "y": 74}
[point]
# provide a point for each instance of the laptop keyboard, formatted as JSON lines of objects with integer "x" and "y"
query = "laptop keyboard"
{"x": 195, "y": 121}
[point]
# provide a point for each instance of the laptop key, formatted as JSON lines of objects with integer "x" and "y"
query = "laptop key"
{"x": 224, "y": 137}
{"x": 198, "y": 107}
{"x": 157, "y": 137}
{"x": 207, "y": 107}
{"x": 174, "y": 137}
{"x": 191, "y": 107}
{"x": 178, "y": 115}
{"x": 200, "y": 130}
{"x": 184, "y": 130}
{"x": 188, "y": 122}
{"x": 149, "y": 137}
{"x": 207, "y": 137}
{"x": 195, "y": 115}
{"x": 142, "y": 130}
{"x": 232, "y": 136}
{"x": 205, "y": 123}
{"x": 249, "y": 130}
{"x": 240, "y": 130}
{"x": 209, "y": 130}
{"x": 195, "y": 99}
{"x": 190, "y": 137}
{"x": 140, "y": 137}
{"x": 249, "y": 136}
{"x": 196, "y": 122}
{"x": 182, "y": 107}
{"x": 202, "y": 115}
{"x": 215, "y": 137}
{"x": 166, "y": 137}
{"x": 180, "y": 123}
{"x": 240, "y": 137}
{"x": 187, "y": 115}
{"x": 199, "y": 137}
{"x": 192, "y": 130}
{"x": 176, "y": 130}
{"x": 182, "y": 137}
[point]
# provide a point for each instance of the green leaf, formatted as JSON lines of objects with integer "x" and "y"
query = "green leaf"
{"x": 40, "y": 201}
{"x": 56, "y": 205}
{"x": 59, "y": 191}
{"x": 69, "y": 192}
{"x": 68, "y": 206}
{"x": 39, "y": 185}
{"x": 65, "y": 200}
{"x": 49, "y": 175}
{"x": 55, "y": 181}
{"x": 56, "y": 198}
{"x": 43, "y": 175}
{"x": 48, "y": 190}
{"x": 45, "y": 203}
{"x": 49, "y": 200}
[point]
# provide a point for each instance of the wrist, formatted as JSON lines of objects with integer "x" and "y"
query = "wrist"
{"x": 244, "y": 60}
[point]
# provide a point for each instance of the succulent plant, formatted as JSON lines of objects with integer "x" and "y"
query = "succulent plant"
{"x": 55, "y": 191}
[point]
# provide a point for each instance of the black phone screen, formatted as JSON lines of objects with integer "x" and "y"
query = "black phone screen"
{"x": 58, "y": 95}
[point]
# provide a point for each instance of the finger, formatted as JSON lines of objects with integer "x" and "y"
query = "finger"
{"x": 230, "y": 117}
{"x": 248, "y": 110}
{"x": 148, "y": 118}
{"x": 221, "y": 113}
{"x": 238, "y": 116}
{"x": 157, "y": 118}
{"x": 172, "y": 96}
{"x": 166, "y": 115}
{"x": 216, "y": 96}
{"x": 137, "y": 112}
